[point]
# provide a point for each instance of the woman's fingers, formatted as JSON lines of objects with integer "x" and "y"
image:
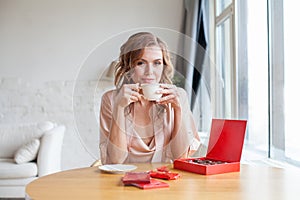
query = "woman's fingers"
{"x": 128, "y": 94}
{"x": 168, "y": 90}
{"x": 133, "y": 87}
{"x": 134, "y": 95}
{"x": 169, "y": 95}
{"x": 132, "y": 92}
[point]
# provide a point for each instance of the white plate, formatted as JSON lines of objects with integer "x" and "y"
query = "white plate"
{"x": 117, "y": 168}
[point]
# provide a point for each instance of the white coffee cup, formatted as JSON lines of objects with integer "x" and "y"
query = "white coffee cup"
{"x": 150, "y": 91}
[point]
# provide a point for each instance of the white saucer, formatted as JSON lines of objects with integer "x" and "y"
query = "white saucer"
{"x": 117, "y": 168}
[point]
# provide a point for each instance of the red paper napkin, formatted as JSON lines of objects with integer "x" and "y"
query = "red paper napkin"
{"x": 164, "y": 173}
{"x": 136, "y": 177}
{"x": 152, "y": 185}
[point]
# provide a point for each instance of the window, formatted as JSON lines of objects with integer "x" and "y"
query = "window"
{"x": 224, "y": 68}
{"x": 258, "y": 88}
{"x": 291, "y": 76}
{"x": 221, "y": 5}
{"x": 225, "y": 93}
{"x": 255, "y": 51}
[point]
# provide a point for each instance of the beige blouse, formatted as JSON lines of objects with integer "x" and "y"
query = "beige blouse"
{"x": 162, "y": 147}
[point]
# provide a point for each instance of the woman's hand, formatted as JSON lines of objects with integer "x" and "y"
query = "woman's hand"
{"x": 128, "y": 93}
{"x": 169, "y": 95}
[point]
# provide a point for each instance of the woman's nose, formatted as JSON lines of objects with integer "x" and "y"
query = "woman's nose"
{"x": 149, "y": 69}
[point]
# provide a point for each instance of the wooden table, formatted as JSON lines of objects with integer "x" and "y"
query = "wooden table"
{"x": 252, "y": 182}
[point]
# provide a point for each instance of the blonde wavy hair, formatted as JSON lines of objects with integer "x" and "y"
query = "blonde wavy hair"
{"x": 132, "y": 50}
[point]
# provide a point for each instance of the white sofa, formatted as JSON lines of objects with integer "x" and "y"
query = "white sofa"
{"x": 26, "y": 153}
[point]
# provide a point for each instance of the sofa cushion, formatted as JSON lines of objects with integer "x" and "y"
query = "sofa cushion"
{"x": 46, "y": 126}
{"x": 49, "y": 157}
{"x": 27, "y": 152}
{"x": 13, "y": 136}
{"x": 13, "y": 182}
{"x": 9, "y": 169}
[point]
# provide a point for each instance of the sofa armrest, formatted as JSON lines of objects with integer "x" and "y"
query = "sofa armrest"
{"x": 49, "y": 156}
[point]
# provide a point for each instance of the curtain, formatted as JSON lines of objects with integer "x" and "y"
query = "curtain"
{"x": 200, "y": 54}
{"x": 195, "y": 27}
{"x": 195, "y": 64}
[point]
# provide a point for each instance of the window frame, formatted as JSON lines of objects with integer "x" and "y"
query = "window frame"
{"x": 227, "y": 13}
{"x": 276, "y": 80}
{"x": 237, "y": 13}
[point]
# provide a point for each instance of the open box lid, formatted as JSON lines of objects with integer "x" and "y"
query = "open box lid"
{"x": 226, "y": 140}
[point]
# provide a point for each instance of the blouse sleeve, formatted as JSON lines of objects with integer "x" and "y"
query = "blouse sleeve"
{"x": 187, "y": 140}
{"x": 105, "y": 123}
{"x": 109, "y": 152}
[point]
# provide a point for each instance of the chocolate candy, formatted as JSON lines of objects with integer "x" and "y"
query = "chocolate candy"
{"x": 207, "y": 162}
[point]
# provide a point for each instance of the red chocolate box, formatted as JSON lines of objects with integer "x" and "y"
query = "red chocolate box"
{"x": 224, "y": 149}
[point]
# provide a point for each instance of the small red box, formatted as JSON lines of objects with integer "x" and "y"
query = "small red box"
{"x": 224, "y": 149}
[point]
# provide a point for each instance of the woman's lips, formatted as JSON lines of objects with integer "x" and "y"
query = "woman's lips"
{"x": 148, "y": 80}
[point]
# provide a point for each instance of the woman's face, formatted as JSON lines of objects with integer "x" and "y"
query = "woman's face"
{"x": 149, "y": 67}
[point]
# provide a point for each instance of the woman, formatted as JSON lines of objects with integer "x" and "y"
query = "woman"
{"x": 133, "y": 129}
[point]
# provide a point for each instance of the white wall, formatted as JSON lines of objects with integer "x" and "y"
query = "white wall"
{"x": 51, "y": 53}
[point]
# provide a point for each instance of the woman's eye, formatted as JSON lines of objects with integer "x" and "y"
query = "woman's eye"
{"x": 157, "y": 63}
{"x": 140, "y": 63}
